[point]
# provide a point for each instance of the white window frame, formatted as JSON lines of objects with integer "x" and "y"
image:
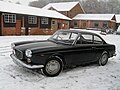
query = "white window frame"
{"x": 9, "y": 18}
{"x": 44, "y": 20}
{"x": 32, "y": 19}
{"x": 53, "y": 22}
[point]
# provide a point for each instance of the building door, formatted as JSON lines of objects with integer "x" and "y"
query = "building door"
{"x": 18, "y": 27}
{"x": 0, "y": 26}
{"x": 59, "y": 26}
{"x": 84, "y": 24}
{"x": 26, "y": 24}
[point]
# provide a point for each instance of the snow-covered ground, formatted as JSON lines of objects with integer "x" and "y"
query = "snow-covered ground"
{"x": 92, "y": 77}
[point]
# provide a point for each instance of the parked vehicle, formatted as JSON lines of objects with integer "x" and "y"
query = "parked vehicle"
{"x": 64, "y": 48}
{"x": 106, "y": 31}
{"x": 118, "y": 31}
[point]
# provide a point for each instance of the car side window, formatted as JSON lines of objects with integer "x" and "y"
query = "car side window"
{"x": 85, "y": 39}
{"x": 62, "y": 36}
{"x": 73, "y": 36}
{"x": 97, "y": 40}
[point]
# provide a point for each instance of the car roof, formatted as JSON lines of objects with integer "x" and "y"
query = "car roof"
{"x": 78, "y": 31}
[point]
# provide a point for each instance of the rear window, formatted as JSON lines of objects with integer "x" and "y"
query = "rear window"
{"x": 97, "y": 40}
{"x": 87, "y": 37}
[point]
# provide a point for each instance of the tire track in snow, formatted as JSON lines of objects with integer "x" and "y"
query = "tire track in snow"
{"x": 5, "y": 50}
{"x": 23, "y": 74}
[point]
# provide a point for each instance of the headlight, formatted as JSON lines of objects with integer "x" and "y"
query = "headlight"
{"x": 28, "y": 53}
{"x": 12, "y": 45}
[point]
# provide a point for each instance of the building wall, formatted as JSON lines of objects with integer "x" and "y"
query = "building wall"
{"x": 48, "y": 29}
{"x": 0, "y": 24}
{"x": 18, "y": 24}
{"x": 62, "y": 24}
{"x": 11, "y": 28}
{"x": 64, "y": 13}
{"x": 75, "y": 10}
{"x": 87, "y": 24}
{"x": 112, "y": 25}
{"x": 22, "y": 27}
{"x": 54, "y": 24}
{"x": 9, "y": 31}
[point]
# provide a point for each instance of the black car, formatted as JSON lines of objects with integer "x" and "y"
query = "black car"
{"x": 64, "y": 48}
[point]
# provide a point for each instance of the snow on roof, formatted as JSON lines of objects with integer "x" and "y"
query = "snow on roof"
{"x": 62, "y": 6}
{"x": 117, "y": 18}
{"x": 102, "y": 17}
{"x": 20, "y": 9}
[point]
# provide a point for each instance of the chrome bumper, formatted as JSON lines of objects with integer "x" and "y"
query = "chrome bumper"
{"x": 114, "y": 54}
{"x": 22, "y": 64}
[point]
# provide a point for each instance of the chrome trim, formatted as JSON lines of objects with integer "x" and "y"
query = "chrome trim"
{"x": 114, "y": 54}
{"x": 20, "y": 56}
{"x": 12, "y": 45}
{"x": 22, "y": 64}
{"x": 74, "y": 42}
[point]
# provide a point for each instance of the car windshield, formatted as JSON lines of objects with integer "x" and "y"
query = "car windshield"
{"x": 65, "y": 37}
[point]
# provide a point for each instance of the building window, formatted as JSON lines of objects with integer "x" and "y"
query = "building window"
{"x": 84, "y": 24}
{"x": 9, "y": 18}
{"x": 75, "y": 24}
{"x": 32, "y": 20}
{"x": 44, "y": 20}
{"x": 53, "y": 22}
{"x": 105, "y": 24}
{"x": 96, "y": 24}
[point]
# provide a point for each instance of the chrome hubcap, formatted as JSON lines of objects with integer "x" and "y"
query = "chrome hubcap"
{"x": 52, "y": 67}
{"x": 104, "y": 58}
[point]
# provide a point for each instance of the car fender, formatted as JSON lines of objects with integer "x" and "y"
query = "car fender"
{"x": 59, "y": 56}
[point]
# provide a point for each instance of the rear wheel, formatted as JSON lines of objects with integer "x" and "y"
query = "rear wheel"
{"x": 103, "y": 59}
{"x": 53, "y": 67}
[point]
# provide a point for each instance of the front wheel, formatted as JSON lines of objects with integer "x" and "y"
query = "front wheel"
{"x": 103, "y": 59}
{"x": 53, "y": 67}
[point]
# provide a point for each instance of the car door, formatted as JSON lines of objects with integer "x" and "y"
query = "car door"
{"x": 99, "y": 45}
{"x": 84, "y": 49}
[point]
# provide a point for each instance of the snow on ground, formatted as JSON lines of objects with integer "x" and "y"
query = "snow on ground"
{"x": 92, "y": 77}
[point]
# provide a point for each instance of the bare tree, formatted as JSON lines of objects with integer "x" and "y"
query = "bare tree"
{"x": 100, "y": 6}
{"x": 39, "y": 3}
{"x": 42, "y": 3}
{"x": 114, "y": 6}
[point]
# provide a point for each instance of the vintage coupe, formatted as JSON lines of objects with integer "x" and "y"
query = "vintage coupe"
{"x": 64, "y": 48}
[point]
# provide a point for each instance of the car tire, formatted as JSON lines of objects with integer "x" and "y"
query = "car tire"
{"x": 103, "y": 59}
{"x": 53, "y": 67}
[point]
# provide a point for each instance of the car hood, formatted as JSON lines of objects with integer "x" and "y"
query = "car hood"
{"x": 36, "y": 45}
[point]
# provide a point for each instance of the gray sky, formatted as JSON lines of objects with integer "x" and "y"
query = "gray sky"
{"x": 23, "y": 2}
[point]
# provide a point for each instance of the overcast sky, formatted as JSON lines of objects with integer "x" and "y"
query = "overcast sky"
{"x": 23, "y": 2}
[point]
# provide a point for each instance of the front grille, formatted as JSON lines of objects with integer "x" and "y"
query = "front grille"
{"x": 19, "y": 54}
